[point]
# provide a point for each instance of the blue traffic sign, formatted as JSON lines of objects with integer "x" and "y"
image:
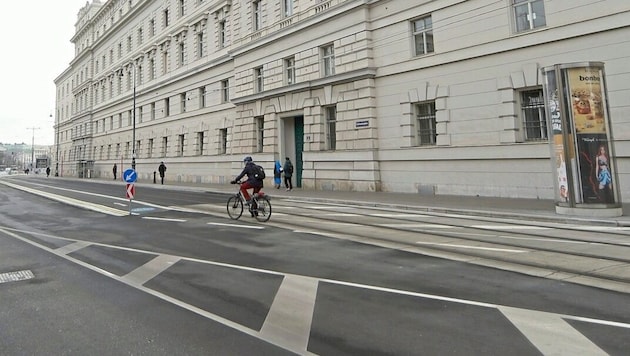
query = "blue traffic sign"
{"x": 130, "y": 175}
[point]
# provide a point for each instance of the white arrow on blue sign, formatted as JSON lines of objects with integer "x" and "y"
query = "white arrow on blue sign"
{"x": 130, "y": 175}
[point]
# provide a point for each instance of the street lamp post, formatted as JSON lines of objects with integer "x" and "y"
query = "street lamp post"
{"x": 57, "y": 141}
{"x": 133, "y": 144}
{"x": 33, "y": 147}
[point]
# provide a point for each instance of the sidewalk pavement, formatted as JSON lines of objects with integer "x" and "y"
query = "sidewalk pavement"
{"x": 509, "y": 208}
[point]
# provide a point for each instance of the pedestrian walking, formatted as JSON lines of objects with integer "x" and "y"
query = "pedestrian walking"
{"x": 115, "y": 170}
{"x": 288, "y": 172}
{"x": 277, "y": 174}
{"x": 162, "y": 170}
{"x": 47, "y": 172}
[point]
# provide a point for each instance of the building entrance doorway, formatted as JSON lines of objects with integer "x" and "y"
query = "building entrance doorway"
{"x": 293, "y": 145}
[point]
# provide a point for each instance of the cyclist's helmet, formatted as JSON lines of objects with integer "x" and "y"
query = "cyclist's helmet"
{"x": 248, "y": 159}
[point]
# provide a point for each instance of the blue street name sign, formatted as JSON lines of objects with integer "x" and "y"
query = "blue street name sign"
{"x": 130, "y": 175}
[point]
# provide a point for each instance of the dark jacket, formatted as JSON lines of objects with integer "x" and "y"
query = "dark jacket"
{"x": 162, "y": 169}
{"x": 250, "y": 171}
{"x": 288, "y": 169}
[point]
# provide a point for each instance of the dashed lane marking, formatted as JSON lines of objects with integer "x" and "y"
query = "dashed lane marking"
{"x": 471, "y": 247}
{"x": 16, "y": 276}
{"x": 237, "y": 225}
{"x": 163, "y": 219}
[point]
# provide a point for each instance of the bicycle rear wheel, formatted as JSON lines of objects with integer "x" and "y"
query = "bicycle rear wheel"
{"x": 263, "y": 213}
{"x": 235, "y": 207}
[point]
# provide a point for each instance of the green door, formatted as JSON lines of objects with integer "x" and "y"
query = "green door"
{"x": 299, "y": 147}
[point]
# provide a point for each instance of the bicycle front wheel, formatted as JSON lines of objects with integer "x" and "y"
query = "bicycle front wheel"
{"x": 263, "y": 213}
{"x": 235, "y": 207}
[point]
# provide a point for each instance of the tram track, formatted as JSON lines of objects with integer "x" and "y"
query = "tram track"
{"x": 558, "y": 248}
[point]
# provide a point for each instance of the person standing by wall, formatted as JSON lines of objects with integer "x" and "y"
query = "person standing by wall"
{"x": 277, "y": 174}
{"x": 162, "y": 170}
{"x": 288, "y": 172}
{"x": 115, "y": 170}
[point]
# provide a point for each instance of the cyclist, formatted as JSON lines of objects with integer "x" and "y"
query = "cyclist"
{"x": 252, "y": 181}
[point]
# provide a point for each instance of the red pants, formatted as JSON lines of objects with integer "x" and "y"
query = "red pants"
{"x": 245, "y": 186}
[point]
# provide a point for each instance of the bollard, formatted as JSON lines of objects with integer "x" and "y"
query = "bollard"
{"x": 154, "y": 181}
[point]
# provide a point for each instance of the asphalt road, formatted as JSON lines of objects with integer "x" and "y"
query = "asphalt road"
{"x": 177, "y": 281}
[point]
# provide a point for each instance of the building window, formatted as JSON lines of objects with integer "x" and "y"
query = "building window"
{"x": 200, "y": 143}
{"x": 258, "y": 79}
{"x": 256, "y": 15}
{"x": 289, "y": 70}
{"x": 225, "y": 91}
{"x": 164, "y": 62}
{"x": 140, "y": 76}
{"x": 328, "y": 60}
{"x": 222, "y": 34}
{"x": 137, "y": 149}
{"x": 202, "y": 97}
{"x": 331, "y": 127}
{"x": 140, "y": 113}
{"x": 528, "y": 14}
{"x": 425, "y": 124}
{"x": 164, "y": 146}
{"x": 180, "y": 145}
{"x": 181, "y": 8}
{"x": 182, "y": 53}
{"x": 165, "y": 15}
{"x": 128, "y": 44}
{"x": 260, "y": 133}
{"x": 140, "y": 36}
{"x": 167, "y": 107}
{"x": 152, "y": 27}
{"x": 533, "y": 115}
{"x": 287, "y": 6}
{"x": 152, "y": 69}
{"x": 423, "y": 35}
{"x": 150, "y": 148}
{"x": 222, "y": 141}
{"x": 182, "y": 100}
{"x": 152, "y": 111}
{"x": 200, "y": 44}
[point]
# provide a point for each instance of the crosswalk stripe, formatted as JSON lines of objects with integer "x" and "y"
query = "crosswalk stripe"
{"x": 544, "y": 330}
{"x": 290, "y": 316}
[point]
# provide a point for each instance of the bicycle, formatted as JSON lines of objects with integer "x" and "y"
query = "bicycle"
{"x": 260, "y": 207}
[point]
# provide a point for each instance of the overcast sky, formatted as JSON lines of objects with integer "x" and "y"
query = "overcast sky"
{"x": 36, "y": 49}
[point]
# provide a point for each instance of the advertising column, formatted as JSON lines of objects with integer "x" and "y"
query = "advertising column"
{"x": 581, "y": 140}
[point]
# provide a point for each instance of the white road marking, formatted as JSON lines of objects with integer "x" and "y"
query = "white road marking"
{"x": 509, "y": 227}
{"x": 119, "y": 204}
{"x": 71, "y": 201}
{"x": 392, "y": 215}
{"x": 339, "y": 214}
{"x": 289, "y": 319}
{"x": 545, "y": 329}
{"x": 151, "y": 269}
{"x": 75, "y": 246}
{"x": 291, "y": 285}
{"x": 471, "y": 247}
{"x": 163, "y": 219}
{"x": 237, "y": 225}
{"x": 418, "y": 226}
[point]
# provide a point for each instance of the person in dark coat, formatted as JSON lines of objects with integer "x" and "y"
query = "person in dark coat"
{"x": 252, "y": 181}
{"x": 288, "y": 173}
{"x": 47, "y": 172}
{"x": 115, "y": 170}
{"x": 162, "y": 170}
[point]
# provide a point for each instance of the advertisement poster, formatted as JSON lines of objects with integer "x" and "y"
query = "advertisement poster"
{"x": 587, "y": 109}
{"x": 553, "y": 104}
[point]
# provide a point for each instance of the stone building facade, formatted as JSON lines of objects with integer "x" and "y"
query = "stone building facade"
{"x": 428, "y": 97}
